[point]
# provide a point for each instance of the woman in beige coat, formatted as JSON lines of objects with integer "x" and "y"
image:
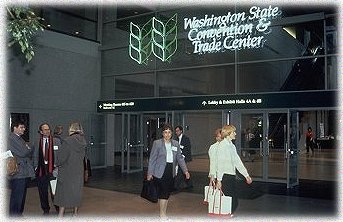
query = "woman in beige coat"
{"x": 70, "y": 170}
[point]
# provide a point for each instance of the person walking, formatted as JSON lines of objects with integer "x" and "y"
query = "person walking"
{"x": 212, "y": 154}
{"x": 309, "y": 140}
{"x": 70, "y": 170}
{"x": 186, "y": 151}
{"x": 165, "y": 155}
{"x": 18, "y": 182}
{"x": 228, "y": 161}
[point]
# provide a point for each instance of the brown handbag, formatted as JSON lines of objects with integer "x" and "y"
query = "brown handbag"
{"x": 11, "y": 166}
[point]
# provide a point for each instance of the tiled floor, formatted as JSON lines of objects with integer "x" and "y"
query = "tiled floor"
{"x": 114, "y": 195}
{"x": 186, "y": 206}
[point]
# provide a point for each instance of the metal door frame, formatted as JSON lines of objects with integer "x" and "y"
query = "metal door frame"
{"x": 293, "y": 148}
{"x": 127, "y": 146}
{"x": 91, "y": 150}
{"x": 264, "y": 147}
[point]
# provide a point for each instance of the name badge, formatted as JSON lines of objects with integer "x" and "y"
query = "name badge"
{"x": 55, "y": 147}
{"x": 174, "y": 148}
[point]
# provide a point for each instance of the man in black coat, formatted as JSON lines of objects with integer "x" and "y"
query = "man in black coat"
{"x": 186, "y": 150}
{"x": 44, "y": 157}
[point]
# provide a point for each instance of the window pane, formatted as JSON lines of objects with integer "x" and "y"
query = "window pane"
{"x": 134, "y": 86}
{"x": 288, "y": 41}
{"x": 331, "y": 36}
{"x": 118, "y": 61}
{"x": 303, "y": 74}
{"x": 114, "y": 36}
{"x": 213, "y": 80}
{"x": 90, "y": 12}
{"x": 107, "y": 87}
{"x": 332, "y": 73}
{"x": 69, "y": 24}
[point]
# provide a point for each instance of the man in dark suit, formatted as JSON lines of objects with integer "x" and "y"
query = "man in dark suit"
{"x": 186, "y": 150}
{"x": 44, "y": 165}
{"x": 18, "y": 182}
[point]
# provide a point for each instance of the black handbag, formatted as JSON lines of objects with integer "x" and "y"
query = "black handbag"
{"x": 149, "y": 191}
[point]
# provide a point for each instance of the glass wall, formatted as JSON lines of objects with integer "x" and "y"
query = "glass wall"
{"x": 77, "y": 21}
{"x": 198, "y": 81}
{"x": 194, "y": 50}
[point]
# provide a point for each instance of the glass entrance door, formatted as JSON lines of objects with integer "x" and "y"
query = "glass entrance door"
{"x": 276, "y": 146}
{"x": 252, "y": 153}
{"x": 265, "y": 140}
{"x": 293, "y": 150}
{"x": 132, "y": 143}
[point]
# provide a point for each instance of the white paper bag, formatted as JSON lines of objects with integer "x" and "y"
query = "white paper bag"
{"x": 208, "y": 193}
{"x": 219, "y": 204}
{"x": 53, "y": 186}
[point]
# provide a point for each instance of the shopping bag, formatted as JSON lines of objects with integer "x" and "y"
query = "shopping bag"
{"x": 53, "y": 186}
{"x": 11, "y": 166}
{"x": 219, "y": 205}
{"x": 208, "y": 192}
{"x": 149, "y": 191}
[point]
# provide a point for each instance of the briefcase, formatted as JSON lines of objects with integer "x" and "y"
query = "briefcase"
{"x": 149, "y": 191}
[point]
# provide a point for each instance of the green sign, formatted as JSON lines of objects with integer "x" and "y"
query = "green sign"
{"x": 154, "y": 37}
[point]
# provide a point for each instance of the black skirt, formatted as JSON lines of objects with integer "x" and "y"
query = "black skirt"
{"x": 166, "y": 183}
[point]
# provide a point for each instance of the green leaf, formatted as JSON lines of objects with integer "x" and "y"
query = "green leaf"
{"x": 22, "y": 26}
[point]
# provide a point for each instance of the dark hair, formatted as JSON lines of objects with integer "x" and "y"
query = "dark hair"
{"x": 309, "y": 128}
{"x": 167, "y": 126}
{"x": 41, "y": 125}
{"x": 58, "y": 130}
{"x": 180, "y": 127}
{"x": 16, "y": 123}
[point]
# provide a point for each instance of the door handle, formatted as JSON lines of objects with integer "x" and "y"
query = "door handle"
{"x": 261, "y": 148}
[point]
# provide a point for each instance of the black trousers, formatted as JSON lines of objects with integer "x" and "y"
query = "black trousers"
{"x": 43, "y": 184}
{"x": 309, "y": 145}
{"x": 229, "y": 189}
{"x": 18, "y": 196}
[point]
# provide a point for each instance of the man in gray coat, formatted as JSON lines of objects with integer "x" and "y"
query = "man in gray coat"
{"x": 18, "y": 182}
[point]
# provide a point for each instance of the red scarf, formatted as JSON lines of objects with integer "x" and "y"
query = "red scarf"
{"x": 41, "y": 165}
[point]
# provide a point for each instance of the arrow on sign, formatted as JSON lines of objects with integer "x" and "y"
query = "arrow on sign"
{"x": 204, "y": 103}
{"x": 100, "y": 106}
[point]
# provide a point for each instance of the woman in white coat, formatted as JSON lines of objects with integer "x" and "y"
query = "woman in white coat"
{"x": 228, "y": 161}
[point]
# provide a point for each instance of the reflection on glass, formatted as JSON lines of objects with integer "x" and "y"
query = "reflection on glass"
{"x": 216, "y": 80}
{"x": 302, "y": 74}
{"x": 252, "y": 137}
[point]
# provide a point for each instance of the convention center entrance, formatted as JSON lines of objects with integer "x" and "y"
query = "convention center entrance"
{"x": 270, "y": 136}
{"x": 271, "y": 143}
{"x": 265, "y": 141}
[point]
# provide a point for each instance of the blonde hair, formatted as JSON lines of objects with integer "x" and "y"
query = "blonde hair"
{"x": 75, "y": 128}
{"x": 227, "y": 130}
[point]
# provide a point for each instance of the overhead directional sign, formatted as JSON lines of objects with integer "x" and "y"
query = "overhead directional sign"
{"x": 319, "y": 99}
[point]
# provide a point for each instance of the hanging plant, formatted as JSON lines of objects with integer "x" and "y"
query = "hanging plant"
{"x": 22, "y": 26}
